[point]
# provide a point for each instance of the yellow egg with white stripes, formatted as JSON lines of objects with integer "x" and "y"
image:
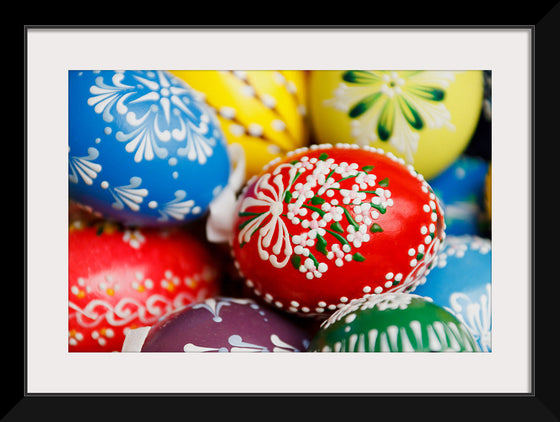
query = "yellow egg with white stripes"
{"x": 262, "y": 110}
{"x": 426, "y": 117}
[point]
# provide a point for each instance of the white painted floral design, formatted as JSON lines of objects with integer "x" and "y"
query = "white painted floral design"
{"x": 134, "y": 238}
{"x": 477, "y": 316}
{"x": 381, "y": 302}
{"x": 303, "y": 193}
{"x": 268, "y": 222}
{"x": 85, "y": 167}
{"x": 131, "y": 195}
{"x": 214, "y": 306}
{"x": 127, "y": 310}
{"x": 393, "y": 106}
{"x": 157, "y": 109}
{"x": 178, "y": 208}
{"x": 237, "y": 344}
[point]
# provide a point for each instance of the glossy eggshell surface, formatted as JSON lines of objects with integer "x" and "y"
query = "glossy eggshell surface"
{"x": 265, "y": 111}
{"x": 460, "y": 189}
{"x": 426, "y": 117}
{"x": 393, "y": 322}
{"x": 461, "y": 281}
{"x": 225, "y": 324}
{"x": 332, "y": 223}
{"x": 142, "y": 149}
{"x": 120, "y": 279}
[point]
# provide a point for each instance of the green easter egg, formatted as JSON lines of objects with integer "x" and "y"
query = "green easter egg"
{"x": 393, "y": 322}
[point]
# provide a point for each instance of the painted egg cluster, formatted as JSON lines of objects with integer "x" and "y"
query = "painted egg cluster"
{"x": 354, "y": 211}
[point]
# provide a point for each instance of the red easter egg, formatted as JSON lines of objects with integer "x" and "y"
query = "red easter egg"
{"x": 119, "y": 279}
{"x": 328, "y": 224}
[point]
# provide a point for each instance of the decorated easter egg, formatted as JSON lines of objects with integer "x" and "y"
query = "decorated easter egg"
{"x": 392, "y": 322}
{"x": 221, "y": 324}
{"x": 327, "y": 224}
{"x": 263, "y": 110}
{"x": 142, "y": 149}
{"x": 460, "y": 189}
{"x": 121, "y": 278}
{"x": 461, "y": 282}
{"x": 426, "y": 117}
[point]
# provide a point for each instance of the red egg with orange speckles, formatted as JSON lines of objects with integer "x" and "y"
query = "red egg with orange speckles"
{"x": 119, "y": 279}
{"x": 328, "y": 224}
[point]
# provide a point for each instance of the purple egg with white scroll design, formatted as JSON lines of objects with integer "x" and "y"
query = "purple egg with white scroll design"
{"x": 220, "y": 324}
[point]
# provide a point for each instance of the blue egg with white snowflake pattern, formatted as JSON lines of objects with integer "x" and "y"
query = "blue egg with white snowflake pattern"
{"x": 460, "y": 280}
{"x": 144, "y": 149}
{"x": 460, "y": 189}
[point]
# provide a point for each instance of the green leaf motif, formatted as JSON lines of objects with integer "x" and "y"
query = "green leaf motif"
{"x": 288, "y": 197}
{"x": 358, "y": 257}
{"x": 375, "y": 228}
{"x": 360, "y": 77}
{"x": 351, "y": 220}
{"x": 368, "y": 168}
{"x": 428, "y": 93}
{"x": 323, "y": 156}
{"x": 296, "y": 261}
{"x": 384, "y": 183}
{"x": 386, "y": 121}
{"x": 317, "y": 200}
{"x": 321, "y": 244}
{"x": 411, "y": 114}
{"x": 364, "y": 105}
{"x": 337, "y": 227}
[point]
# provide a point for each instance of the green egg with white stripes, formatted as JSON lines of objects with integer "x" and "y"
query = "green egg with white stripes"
{"x": 393, "y": 322}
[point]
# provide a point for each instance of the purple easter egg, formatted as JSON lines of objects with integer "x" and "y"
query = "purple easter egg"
{"x": 220, "y": 324}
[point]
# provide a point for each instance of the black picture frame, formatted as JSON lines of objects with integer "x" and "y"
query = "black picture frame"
{"x": 540, "y": 405}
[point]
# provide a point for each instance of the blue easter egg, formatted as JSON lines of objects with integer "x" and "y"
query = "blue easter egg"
{"x": 460, "y": 189}
{"x": 144, "y": 149}
{"x": 460, "y": 280}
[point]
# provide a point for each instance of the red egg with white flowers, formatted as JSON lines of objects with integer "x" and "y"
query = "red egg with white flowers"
{"x": 124, "y": 278}
{"x": 328, "y": 224}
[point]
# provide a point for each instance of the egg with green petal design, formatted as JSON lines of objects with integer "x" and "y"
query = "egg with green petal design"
{"x": 426, "y": 117}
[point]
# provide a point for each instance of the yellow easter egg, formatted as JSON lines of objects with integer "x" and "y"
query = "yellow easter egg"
{"x": 426, "y": 117}
{"x": 262, "y": 110}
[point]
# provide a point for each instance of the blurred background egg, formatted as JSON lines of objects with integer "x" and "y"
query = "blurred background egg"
{"x": 393, "y": 322}
{"x": 122, "y": 278}
{"x": 426, "y": 117}
{"x": 461, "y": 190}
{"x": 461, "y": 281}
{"x": 263, "y": 110}
{"x": 142, "y": 149}
{"x": 221, "y": 324}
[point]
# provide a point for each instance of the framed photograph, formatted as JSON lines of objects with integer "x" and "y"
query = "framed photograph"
{"x": 502, "y": 57}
